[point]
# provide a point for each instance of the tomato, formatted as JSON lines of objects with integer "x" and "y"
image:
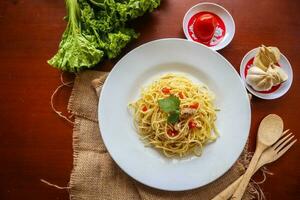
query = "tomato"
{"x": 204, "y": 27}
{"x": 194, "y": 105}
{"x": 166, "y": 90}
{"x": 192, "y": 124}
{"x": 144, "y": 109}
{"x": 181, "y": 96}
{"x": 172, "y": 133}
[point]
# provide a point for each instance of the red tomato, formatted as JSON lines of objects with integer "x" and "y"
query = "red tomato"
{"x": 192, "y": 124}
{"x": 181, "y": 96}
{"x": 172, "y": 133}
{"x": 204, "y": 27}
{"x": 144, "y": 109}
{"x": 166, "y": 90}
{"x": 194, "y": 105}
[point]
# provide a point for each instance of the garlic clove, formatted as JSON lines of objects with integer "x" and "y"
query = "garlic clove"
{"x": 274, "y": 54}
{"x": 266, "y": 56}
{"x": 253, "y": 79}
{"x": 259, "y": 79}
{"x": 265, "y": 84}
{"x": 256, "y": 70}
{"x": 275, "y": 76}
{"x": 260, "y": 60}
{"x": 282, "y": 74}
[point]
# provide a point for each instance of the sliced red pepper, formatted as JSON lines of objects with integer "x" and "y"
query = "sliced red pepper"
{"x": 166, "y": 90}
{"x": 192, "y": 124}
{"x": 194, "y": 105}
{"x": 181, "y": 96}
{"x": 172, "y": 133}
{"x": 144, "y": 109}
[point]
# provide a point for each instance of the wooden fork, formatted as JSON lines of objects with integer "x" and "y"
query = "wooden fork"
{"x": 270, "y": 155}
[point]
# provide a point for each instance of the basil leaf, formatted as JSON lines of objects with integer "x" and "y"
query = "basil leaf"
{"x": 169, "y": 104}
{"x": 173, "y": 117}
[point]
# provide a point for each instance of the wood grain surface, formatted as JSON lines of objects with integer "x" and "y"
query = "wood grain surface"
{"x": 36, "y": 144}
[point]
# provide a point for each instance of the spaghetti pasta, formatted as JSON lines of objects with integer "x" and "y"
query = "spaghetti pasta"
{"x": 195, "y": 126}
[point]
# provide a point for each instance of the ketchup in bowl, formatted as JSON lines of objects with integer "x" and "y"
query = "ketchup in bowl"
{"x": 205, "y": 26}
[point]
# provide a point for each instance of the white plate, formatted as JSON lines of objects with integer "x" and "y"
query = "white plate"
{"x": 219, "y": 11}
{"x": 284, "y": 87}
{"x": 139, "y": 68}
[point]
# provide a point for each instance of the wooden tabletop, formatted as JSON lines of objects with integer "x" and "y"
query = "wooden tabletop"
{"x": 36, "y": 144}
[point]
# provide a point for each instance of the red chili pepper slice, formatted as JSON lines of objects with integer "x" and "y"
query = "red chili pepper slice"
{"x": 166, "y": 90}
{"x": 192, "y": 124}
{"x": 172, "y": 133}
{"x": 194, "y": 105}
{"x": 144, "y": 109}
{"x": 181, "y": 96}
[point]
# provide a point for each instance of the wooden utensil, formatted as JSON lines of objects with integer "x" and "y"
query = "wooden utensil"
{"x": 270, "y": 155}
{"x": 270, "y": 129}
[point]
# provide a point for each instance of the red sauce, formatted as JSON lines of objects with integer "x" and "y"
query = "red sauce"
{"x": 206, "y": 28}
{"x": 248, "y": 65}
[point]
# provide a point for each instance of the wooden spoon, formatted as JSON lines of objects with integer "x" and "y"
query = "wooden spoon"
{"x": 270, "y": 129}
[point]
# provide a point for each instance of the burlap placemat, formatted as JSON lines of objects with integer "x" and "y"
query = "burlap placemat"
{"x": 95, "y": 175}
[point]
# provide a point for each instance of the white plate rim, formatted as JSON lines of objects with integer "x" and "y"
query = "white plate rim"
{"x": 100, "y": 115}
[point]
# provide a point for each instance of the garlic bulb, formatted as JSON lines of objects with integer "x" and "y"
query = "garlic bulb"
{"x": 261, "y": 80}
{"x": 266, "y": 56}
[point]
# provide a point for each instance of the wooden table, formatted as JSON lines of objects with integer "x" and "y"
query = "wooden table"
{"x": 36, "y": 144}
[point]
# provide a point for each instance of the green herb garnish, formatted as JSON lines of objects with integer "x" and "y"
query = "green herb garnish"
{"x": 170, "y": 105}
